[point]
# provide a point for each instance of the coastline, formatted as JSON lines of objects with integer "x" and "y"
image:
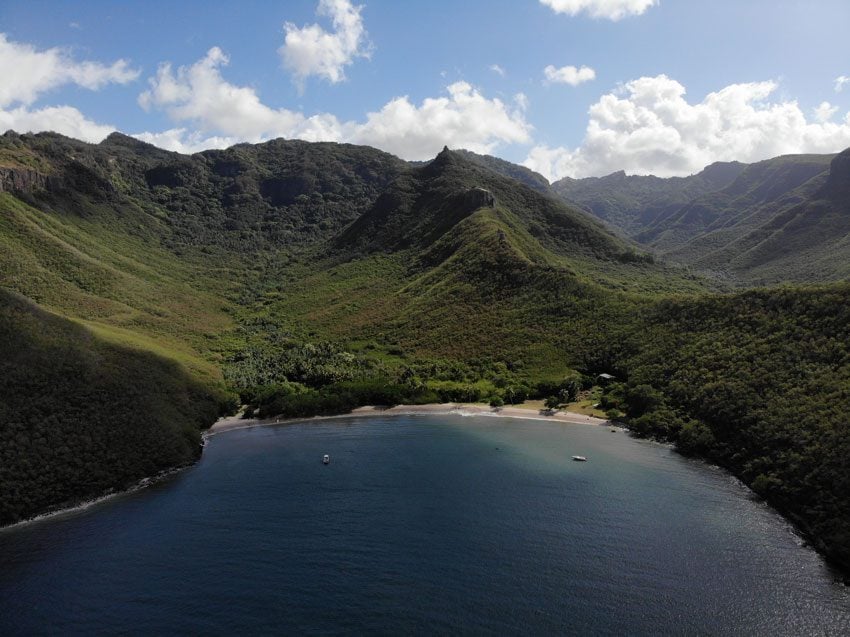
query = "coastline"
{"x": 78, "y": 506}
{"x": 232, "y": 423}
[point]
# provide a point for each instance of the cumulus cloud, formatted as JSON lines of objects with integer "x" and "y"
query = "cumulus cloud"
{"x": 609, "y": 9}
{"x": 310, "y": 50}
{"x": 840, "y": 81}
{"x": 569, "y": 75}
{"x": 464, "y": 119}
{"x": 825, "y": 111}
{"x": 210, "y": 112}
{"x": 28, "y": 72}
{"x": 497, "y": 69}
{"x": 220, "y": 111}
{"x": 59, "y": 119}
{"x": 649, "y": 127}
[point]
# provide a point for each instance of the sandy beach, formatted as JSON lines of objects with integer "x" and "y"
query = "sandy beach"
{"x": 466, "y": 409}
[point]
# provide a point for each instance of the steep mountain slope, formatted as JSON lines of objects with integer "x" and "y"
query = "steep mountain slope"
{"x": 632, "y": 203}
{"x": 760, "y": 188}
{"x": 799, "y": 235}
{"x": 524, "y": 175}
{"x": 763, "y": 223}
{"x": 80, "y": 415}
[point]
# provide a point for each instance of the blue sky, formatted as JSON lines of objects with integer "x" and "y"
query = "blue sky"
{"x": 646, "y": 86}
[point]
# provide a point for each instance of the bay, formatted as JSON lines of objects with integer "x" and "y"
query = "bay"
{"x": 422, "y": 525}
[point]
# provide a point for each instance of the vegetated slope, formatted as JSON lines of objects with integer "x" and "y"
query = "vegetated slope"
{"x": 759, "y": 224}
{"x": 758, "y": 382}
{"x": 454, "y": 260}
{"x": 632, "y": 203}
{"x": 522, "y": 174}
{"x": 80, "y": 416}
{"x": 802, "y": 235}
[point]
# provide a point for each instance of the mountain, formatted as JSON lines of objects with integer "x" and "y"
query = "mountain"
{"x": 286, "y": 246}
{"x": 783, "y": 220}
{"x": 759, "y": 224}
{"x": 533, "y": 180}
{"x": 142, "y": 290}
{"x": 631, "y": 203}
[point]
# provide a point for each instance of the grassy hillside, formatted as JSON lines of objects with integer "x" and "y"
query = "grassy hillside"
{"x": 81, "y": 415}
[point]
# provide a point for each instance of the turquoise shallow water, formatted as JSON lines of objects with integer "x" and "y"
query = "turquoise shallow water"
{"x": 423, "y": 524}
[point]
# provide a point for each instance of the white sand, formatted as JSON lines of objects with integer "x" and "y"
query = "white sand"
{"x": 468, "y": 409}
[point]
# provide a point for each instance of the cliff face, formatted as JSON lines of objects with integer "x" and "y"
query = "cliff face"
{"x": 18, "y": 180}
{"x": 838, "y": 183}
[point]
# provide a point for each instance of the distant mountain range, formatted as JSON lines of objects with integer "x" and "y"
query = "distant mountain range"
{"x": 781, "y": 220}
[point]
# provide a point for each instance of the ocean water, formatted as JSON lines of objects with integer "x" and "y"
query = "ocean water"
{"x": 423, "y": 525}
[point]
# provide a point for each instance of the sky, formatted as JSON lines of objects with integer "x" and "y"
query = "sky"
{"x": 571, "y": 88}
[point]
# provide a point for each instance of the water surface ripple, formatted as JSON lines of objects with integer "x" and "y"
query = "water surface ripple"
{"x": 423, "y": 524}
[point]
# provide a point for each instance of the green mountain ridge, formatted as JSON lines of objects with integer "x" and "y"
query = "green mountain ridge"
{"x": 311, "y": 278}
{"x": 773, "y": 221}
{"x": 630, "y": 203}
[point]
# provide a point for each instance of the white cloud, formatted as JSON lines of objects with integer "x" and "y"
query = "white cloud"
{"x": 28, "y": 73}
{"x": 825, "y": 111}
{"x": 311, "y": 50}
{"x": 59, "y": 119}
{"x": 521, "y": 101}
{"x": 212, "y": 113}
{"x": 609, "y": 9}
{"x": 840, "y": 81}
{"x": 648, "y": 127}
{"x": 198, "y": 94}
{"x": 464, "y": 119}
{"x": 569, "y": 75}
{"x": 497, "y": 69}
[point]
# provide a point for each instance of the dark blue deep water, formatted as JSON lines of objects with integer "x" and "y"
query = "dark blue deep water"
{"x": 423, "y": 524}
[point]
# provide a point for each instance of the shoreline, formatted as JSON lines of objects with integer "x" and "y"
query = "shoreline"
{"x": 72, "y": 508}
{"x": 233, "y": 423}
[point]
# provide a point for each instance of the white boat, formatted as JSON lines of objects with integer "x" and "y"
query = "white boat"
{"x": 580, "y": 458}
{"x": 326, "y": 459}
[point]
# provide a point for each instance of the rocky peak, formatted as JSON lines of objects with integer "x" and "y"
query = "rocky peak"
{"x": 838, "y": 182}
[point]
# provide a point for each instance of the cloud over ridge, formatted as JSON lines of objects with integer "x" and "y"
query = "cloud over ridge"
{"x": 648, "y": 127}
{"x": 210, "y": 112}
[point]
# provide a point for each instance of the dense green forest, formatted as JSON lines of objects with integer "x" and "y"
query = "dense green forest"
{"x": 758, "y": 382}
{"x": 313, "y": 278}
{"x": 80, "y": 416}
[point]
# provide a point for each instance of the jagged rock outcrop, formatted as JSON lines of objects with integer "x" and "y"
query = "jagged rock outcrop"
{"x": 838, "y": 182}
{"x": 479, "y": 198}
{"x": 21, "y": 180}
